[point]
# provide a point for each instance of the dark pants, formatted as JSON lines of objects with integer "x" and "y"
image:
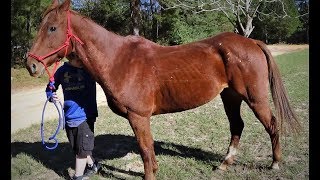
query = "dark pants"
{"x": 81, "y": 138}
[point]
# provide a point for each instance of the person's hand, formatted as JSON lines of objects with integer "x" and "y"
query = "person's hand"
{"x": 54, "y": 97}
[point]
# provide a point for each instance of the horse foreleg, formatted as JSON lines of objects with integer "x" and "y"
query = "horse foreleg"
{"x": 232, "y": 101}
{"x": 141, "y": 128}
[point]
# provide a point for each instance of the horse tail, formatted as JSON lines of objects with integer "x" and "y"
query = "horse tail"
{"x": 284, "y": 112}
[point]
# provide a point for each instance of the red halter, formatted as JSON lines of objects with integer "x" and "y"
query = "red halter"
{"x": 65, "y": 45}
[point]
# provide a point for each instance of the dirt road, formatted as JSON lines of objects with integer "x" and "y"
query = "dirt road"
{"x": 27, "y": 106}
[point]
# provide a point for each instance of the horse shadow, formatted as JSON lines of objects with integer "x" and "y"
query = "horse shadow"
{"x": 107, "y": 147}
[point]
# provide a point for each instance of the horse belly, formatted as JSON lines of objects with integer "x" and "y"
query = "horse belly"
{"x": 179, "y": 95}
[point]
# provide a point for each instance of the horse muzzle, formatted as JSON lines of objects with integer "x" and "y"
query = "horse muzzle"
{"x": 34, "y": 67}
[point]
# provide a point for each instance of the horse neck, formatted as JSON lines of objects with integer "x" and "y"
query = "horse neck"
{"x": 100, "y": 46}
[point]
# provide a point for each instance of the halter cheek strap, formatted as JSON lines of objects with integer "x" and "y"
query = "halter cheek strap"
{"x": 65, "y": 45}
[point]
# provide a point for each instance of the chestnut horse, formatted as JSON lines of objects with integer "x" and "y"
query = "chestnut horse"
{"x": 141, "y": 78}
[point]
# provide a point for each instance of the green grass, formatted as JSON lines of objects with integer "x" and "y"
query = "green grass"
{"x": 21, "y": 80}
{"x": 189, "y": 145}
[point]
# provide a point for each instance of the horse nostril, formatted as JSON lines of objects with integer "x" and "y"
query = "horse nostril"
{"x": 33, "y": 68}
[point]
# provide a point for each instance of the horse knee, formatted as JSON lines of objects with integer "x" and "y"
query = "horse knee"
{"x": 146, "y": 154}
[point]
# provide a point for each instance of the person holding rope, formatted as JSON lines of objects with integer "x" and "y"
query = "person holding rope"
{"x": 80, "y": 112}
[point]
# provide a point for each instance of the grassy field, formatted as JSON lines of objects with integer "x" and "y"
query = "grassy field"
{"x": 21, "y": 80}
{"x": 189, "y": 145}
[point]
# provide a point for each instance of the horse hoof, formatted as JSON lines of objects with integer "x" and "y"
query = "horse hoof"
{"x": 222, "y": 167}
{"x": 275, "y": 166}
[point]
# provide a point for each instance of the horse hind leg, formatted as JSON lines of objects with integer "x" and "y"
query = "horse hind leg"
{"x": 263, "y": 112}
{"x": 141, "y": 127}
{"x": 232, "y": 102}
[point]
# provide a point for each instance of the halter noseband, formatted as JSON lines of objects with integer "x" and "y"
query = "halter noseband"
{"x": 65, "y": 45}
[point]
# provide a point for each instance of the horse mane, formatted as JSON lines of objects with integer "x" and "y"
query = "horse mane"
{"x": 49, "y": 9}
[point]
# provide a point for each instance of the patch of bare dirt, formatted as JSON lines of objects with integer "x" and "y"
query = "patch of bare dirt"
{"x": 278, "y": 49}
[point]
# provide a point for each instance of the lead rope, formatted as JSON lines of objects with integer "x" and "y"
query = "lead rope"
{"x": 59, "y": 107}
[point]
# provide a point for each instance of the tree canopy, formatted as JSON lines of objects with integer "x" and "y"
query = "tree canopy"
{"x": 273, "y": 28}
{"x": 171, "y": 22}
{"x": 25, "y": 18}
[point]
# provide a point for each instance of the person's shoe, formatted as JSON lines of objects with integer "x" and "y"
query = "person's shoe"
{"x": 83, "y": 177}
{"x": 92, "y": 170}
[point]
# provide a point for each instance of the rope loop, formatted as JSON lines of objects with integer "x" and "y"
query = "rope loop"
{"x": 59, "y": 108}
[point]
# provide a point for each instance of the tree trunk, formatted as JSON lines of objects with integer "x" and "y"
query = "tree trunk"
{"x": 135, "y": 16}
{"x": 28, "y": 24}
{"x": 155, "y": 24}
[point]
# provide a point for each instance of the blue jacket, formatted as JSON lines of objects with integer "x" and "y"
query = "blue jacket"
{"x": 79, "y": 92}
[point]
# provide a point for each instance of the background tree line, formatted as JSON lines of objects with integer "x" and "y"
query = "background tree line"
{"x": 172, "y": 22}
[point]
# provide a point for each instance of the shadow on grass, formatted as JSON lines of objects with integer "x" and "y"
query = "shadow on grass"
{"x": 106, "y": 147}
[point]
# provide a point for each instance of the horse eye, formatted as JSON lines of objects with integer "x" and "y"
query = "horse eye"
{"x": 52, "y": 29}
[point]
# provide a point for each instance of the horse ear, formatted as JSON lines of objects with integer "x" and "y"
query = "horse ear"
{"x": 64, "y": 4}
{"x": 55, "y": 3}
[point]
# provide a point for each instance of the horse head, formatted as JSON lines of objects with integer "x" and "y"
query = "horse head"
{"x": 52, "y": 41}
